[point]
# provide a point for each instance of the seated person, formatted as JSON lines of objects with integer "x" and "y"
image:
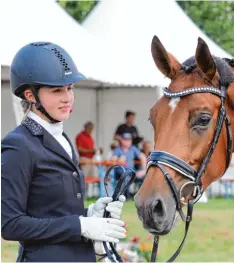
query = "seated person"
{"x": 126, "y": 153}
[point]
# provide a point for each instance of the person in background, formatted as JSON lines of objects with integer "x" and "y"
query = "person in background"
{"x": 129, "y": 127}
{"x": 114, "y": 145}
{"x": 146, "y": 148}
{"x": 88, "y": 153}
{"x": 126, "y": 153}
{"x": 86, "y": 148}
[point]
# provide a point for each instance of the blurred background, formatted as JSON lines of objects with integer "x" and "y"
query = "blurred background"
{"x": 110, "y": 43}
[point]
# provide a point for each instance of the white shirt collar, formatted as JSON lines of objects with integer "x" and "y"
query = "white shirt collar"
{"x": 54, "y": 129}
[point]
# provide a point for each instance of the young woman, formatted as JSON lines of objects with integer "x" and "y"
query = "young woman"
{"x": 42, "y": 187}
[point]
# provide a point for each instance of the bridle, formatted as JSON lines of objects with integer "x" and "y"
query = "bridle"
{"x": 161, "y": 159}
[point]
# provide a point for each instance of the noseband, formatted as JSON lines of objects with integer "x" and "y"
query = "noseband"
{"x": 161, "y": 159}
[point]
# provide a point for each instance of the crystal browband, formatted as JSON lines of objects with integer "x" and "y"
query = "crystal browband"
{"x": 191, "y": 91}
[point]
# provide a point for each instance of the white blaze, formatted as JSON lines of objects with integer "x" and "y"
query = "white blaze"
{"x": 173, "y": 103}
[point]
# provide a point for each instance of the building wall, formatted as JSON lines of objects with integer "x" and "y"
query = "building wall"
{"x": 113, "y": 104}
{"x": 7, "y": 116}
{"x": 84, "y": 110}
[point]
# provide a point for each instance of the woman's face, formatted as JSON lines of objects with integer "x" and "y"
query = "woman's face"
{"x": 57, "y": 101}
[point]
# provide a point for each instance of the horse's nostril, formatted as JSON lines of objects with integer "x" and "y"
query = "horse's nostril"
{"x": 158, "y": 208}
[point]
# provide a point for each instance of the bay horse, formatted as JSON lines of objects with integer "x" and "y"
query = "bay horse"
{"x": 193, "y": 128}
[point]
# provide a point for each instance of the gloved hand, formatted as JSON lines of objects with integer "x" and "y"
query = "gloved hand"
{"x": 115, "y": 208}
{"x": 102, "y": 229}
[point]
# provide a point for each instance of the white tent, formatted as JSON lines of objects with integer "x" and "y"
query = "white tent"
{"x": 27, "y": 21}
{"x": 126, "y": 28}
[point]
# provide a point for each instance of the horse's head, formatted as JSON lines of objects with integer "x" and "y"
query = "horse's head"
{"x": 190, "y": 151}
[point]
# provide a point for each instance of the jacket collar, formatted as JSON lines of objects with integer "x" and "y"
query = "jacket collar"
{"x": 49, "y": 141}
{"x": 35, "y": 128}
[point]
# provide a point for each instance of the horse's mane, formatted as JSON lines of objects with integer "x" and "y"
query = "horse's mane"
{"x": 225, "y": 72}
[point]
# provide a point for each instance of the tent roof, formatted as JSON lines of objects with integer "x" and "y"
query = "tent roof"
{"x": 126, "y": 28}
{"x": 24, "y": 22}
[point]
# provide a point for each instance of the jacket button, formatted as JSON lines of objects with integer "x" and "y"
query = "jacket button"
{"x": 75, "y": 174}
{"x": 78, "y": 195}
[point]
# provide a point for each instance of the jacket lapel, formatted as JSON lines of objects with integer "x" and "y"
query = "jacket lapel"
{"x": 74, "y": 154}
{"x": 50, "y": 142}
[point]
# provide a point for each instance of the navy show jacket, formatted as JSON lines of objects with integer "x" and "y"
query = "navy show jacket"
{"x": 42, "y": 197}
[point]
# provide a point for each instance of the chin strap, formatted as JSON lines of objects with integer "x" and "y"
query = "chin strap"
{"x": 38, "y": 105}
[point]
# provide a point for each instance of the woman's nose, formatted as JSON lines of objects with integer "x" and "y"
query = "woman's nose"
{"x": 67, "y": 96}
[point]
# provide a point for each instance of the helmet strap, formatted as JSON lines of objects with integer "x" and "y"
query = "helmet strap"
{"x": 39, "y": 106}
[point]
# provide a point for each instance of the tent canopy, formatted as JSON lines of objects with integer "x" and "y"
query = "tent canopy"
{"x": 126, "y": 28}
{"x": 24, "y": 22}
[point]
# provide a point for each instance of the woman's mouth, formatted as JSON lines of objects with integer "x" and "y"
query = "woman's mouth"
{"x": 65, "y": 108}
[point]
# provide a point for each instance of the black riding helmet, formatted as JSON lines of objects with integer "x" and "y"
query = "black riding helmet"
{"x": 42, "y": 64}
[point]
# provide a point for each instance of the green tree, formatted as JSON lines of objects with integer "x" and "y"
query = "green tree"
{"x": 215, "y": 18}
{"x": 78, "y": 9}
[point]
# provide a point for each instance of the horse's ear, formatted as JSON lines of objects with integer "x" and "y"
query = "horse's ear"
{"x": 204, "y": 60}
{"x": 165, "y": 62}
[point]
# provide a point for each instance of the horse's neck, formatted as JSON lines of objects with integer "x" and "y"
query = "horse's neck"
{"x": 230, "y": 108}
{"x": 231, "y": 116}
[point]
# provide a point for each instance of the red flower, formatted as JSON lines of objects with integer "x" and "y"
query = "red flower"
{"x": 135, "y": 239}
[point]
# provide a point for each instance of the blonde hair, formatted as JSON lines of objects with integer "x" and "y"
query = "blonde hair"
{"x": 26, "y": 106}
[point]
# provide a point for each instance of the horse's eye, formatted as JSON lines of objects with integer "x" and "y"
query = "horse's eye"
{"x": 202, "y": 121}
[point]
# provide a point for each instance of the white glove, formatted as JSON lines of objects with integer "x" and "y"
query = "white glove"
{"x": 102, "y": 229}
{"x": 115, "y": 208}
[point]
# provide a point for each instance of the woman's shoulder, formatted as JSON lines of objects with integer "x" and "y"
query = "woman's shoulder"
{"x": 17, "y": 136}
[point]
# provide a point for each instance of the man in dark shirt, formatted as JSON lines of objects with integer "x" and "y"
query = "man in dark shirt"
{"x": 129, "y": 127}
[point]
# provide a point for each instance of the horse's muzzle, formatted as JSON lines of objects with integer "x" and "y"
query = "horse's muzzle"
{"x": 154, "y": 215}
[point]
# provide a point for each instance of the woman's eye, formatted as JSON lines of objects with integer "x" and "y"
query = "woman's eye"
{"x": 70, "y": 88}
{"x": 56, "y": 90}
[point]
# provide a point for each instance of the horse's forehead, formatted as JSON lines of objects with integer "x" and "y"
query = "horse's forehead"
{"x": 173, "y": 103}
{"x": 185, "y": 81}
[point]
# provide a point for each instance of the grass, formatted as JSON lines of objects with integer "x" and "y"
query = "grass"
{"x": 210, "y": 238}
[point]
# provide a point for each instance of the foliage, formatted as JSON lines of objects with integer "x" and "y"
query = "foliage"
{"x": 215, "y": 18}
{"x": 78, "y": 9}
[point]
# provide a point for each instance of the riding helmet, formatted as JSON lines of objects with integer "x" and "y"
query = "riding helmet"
{"x": 42, "y": 64}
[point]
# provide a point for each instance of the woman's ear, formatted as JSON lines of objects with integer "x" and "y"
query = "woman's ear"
{"x": 28, "y": 94}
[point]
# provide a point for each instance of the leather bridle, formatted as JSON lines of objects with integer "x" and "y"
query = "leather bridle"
{"x": 161, "y": 159}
